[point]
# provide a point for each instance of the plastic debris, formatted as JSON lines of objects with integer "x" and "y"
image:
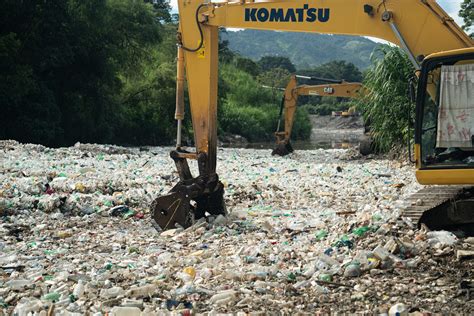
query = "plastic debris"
{"x": 76, "y": 235}
{"x": 398, "y": 310}
{"x": 441, "y": 238}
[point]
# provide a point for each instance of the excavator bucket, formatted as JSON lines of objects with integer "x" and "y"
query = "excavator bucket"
{"x": 191, "y": 198}
{"x": 282, "y": 149}
{"x": 177, "y": 207}
{"x": 171, "y": 209}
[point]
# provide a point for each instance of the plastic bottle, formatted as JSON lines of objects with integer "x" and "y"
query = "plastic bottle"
{"x": 18, "y": 284}
{"x": 441, "y": 238}
{"x": 142, "y": 291}
{"x": 26, "y": 306}
{"x": 399, "y": 309}
{"x": 321, "y": 234}
{"x": 52, "y": 296}
{"x": 112, "y": 292}
{"x": 381, "y": 253}
{"x": 4, "y": 260}
{"x": 352, "y": 270}
{"x": 79, "y": 289}
{"x": 126, "y": 311}
{"x": 361, "y": 230}
{"x": 327, "y": 263}
{"x": 223, "y": 296}
{"x": 326, "y": 277}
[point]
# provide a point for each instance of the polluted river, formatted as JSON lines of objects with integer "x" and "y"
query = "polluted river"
{"x": 317, "y": 231}
{"x": 327, "y": 132}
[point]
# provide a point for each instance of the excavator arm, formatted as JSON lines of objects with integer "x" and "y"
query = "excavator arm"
{"x": 420, "y": 27}
{"x": 333, "y": 88}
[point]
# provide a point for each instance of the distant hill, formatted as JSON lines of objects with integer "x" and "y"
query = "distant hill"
{"x": 305, "y": 50}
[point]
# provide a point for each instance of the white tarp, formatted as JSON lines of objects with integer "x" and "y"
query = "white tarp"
{"x": 456, "y": 111}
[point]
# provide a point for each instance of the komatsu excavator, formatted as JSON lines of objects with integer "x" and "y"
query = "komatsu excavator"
{"x": 438, "y": 48}
{"x": 330, "y": 88}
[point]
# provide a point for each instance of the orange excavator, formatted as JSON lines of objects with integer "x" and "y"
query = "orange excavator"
{"x": 327, "y": 88}
{"x": 441, "y": 52}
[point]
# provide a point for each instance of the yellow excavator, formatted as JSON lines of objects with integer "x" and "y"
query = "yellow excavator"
{"x": 442, "y": 53}
{"x": 330, "y": 88}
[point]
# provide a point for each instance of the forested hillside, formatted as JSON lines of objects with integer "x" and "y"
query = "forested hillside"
{"x": 305, "y": 50}
{"x": 103, "y": 71}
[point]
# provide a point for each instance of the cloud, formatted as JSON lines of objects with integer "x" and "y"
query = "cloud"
{"x": 174, "y": 5}
{"x": 452, "y": 8}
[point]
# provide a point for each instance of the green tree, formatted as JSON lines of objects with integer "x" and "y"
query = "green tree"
{"x": 62, "y": 64}
{"x": 467, "y": 14}
{"x": 337, "y": 69}
{"x": 387, "y": 105}
{"x": 247, "y": 65}
{"x": 104, "y": 71}
{"x": 267, "y": 63}
{"x": 275, "y": 78}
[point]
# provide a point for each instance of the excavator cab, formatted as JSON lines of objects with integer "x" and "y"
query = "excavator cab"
{"x": 444, "y": 134}
{"x": 444, "y": 142}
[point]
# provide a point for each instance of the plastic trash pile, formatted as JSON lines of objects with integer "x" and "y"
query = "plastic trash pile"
{"x": 314, "y": 231}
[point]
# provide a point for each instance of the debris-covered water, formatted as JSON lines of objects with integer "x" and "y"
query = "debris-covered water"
{"x": 314, "y": 231}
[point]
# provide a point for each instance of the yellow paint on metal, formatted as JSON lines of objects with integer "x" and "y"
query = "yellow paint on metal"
{"x": 446, "y": 176}
{"x": 451, "y": 53}
{"x": 417, "y": 155}
{"x": 202, "y": 51}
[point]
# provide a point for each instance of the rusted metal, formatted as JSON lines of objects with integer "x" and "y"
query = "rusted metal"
{"x": 171, "y": 209}
{"x": 191, "y": 198}
{"x": 283, "y": 149}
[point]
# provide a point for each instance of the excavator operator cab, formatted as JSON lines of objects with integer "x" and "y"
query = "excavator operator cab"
{"x": 444, "y": 134}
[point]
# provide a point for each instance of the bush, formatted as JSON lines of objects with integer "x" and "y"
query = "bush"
{"x": 387, "y": 105}
{"x": 302, "y": 125}
{"x": 250, "y": 110}
{"x": 242, "y": 88}
{"x": 254, "y": 123}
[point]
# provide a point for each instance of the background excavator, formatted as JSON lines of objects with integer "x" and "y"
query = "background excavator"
{"x": 326, "y": 88}
{"x": 438, "y": 48}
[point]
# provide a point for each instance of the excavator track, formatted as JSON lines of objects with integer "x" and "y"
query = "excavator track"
{"x": 441, "y": 206}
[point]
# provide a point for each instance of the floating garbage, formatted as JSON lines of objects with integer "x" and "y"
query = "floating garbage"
{"x": 314, "y": 232}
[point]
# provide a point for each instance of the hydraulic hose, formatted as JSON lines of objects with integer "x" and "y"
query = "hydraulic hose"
{"x": 324, "y": 80}
{"x": 281, "y": 112}
{"x": 200, "y": 33}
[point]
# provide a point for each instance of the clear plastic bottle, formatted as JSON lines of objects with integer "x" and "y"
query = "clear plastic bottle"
{"x": 112, "y": 292}
{"x": 79, "y": 289}
{"x": 18, "y": 284}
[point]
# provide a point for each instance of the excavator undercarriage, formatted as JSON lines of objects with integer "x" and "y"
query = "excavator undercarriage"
{"x": 442, "y": 207}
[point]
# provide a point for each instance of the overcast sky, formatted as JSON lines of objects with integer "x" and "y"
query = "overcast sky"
{"x": 450, "y": 6}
